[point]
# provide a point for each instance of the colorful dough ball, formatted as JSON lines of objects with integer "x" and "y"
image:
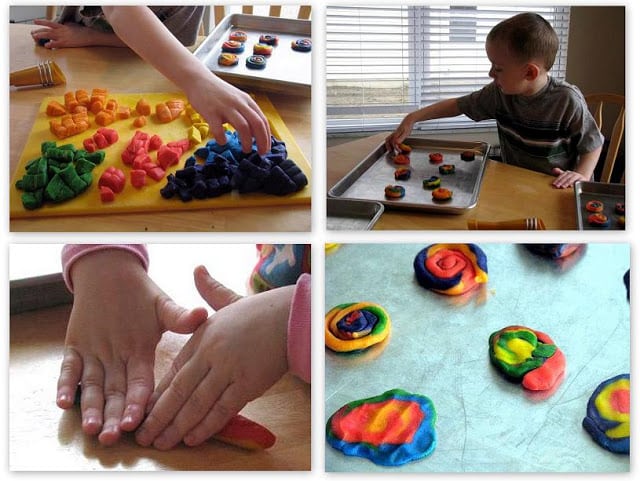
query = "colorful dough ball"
{"x": 619, "y": 208}
{"x": 355, "y": 326}
{"x": 432, "y": 182}
{"x": 256, "y": 62}
{"x": 598, "y": 219}
{"x": 442, "y": 194}
{"x": 262, "y": 49}
{"x": 524, "y": 355}
{"x": 608, "y": 414}
{"x": 553, "y": 251}
{"x": 447, "y": 169}
{"x": 301, "y": 45}
{"x": 435, "y": 157}
{"x": 468, "y": 155}
{"x": 594, "y": 206}
{"x": 227, "y": 59}
{"x": 391, "y": 429}
{"x": 238, "y": 36}
{"x": 402, "y": 173}
{"x": 394, "y": 192}
{"x": 233, "y": 46}
{"x": 402, "y": 159}
{"x": 451, "y": 269}
{"x": 269, "y": 39}
{"x": 404, "y": 148}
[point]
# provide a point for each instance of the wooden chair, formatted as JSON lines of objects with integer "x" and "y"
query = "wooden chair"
{"x": 613, "y": 103}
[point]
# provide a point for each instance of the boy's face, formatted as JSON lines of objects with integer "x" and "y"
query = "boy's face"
{"x": 508, "y": 73}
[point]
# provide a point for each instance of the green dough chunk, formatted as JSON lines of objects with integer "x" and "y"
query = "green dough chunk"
{"x": 31, "y": 182}
{"x": 37, "y": 166}
{"x": 63, "y": 155}
{"x": 96, "y": 157}
{"x": 72, "y": 179}
{"x": 58, "y": 191}
{"x": 44, "y": 146}
{"x": 87, "y": 177}
{"x": 83, "y": 166}
{"x": 33, "y": 200}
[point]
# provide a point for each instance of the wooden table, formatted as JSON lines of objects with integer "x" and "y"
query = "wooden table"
{"x": 43, "y": 437}
{"x": 507, "y": 193}
{"x": 121, "y": 70}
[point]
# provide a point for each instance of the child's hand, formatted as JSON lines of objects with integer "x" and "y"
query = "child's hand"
{"x": 566, "y": 178}
{"x": 118, "y": 317}
{"x": 220, "y": 102}
{"x": 230, "y": 360}
{"x": 63, "y": 35}
{"x": 402, "y": 132}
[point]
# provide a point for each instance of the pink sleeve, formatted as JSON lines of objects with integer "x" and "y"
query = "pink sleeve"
{"x": 299, "y": 330}
{"x": 73, "y": 252}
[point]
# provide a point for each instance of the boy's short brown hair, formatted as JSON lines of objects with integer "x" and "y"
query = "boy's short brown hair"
{"x": 529, "y": 37}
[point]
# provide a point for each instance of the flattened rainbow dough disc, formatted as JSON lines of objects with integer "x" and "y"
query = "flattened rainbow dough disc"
{"x": 451, "y": 269}
{"x": 528, "y": 356}
{"x": 355, "y": 326}
{"x": 391, "y": 429}
{"x": 553, "y": 251}
{"x": 608, "y": 414}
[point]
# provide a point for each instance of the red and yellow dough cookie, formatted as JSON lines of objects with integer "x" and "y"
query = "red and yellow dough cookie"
{"x": 524, "y": 355}
{"x": 228, "y": 59}
{"x": 262, "y": 49}
{"x": 435, "y": 157}
{"x": 404, "y": 148}
{"x": 402, "y": 159}
{"x": 391, "y": 429}
{"x": 451, "y": 269}
{"x": 594, "y": 206}
{"x": 468, "y": 155}
{"x": 598, "y": 219}
{"x": 355, "y": 326}
{"x": 608, "y": 418}
{"x": 441, "y": 194}
{"x": 247, "y": 434}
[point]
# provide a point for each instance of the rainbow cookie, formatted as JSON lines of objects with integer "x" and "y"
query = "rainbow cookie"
{"x": 468, "y": 155}
{"x": 441, "y": 194}
{"x": 262, "y": 49}
{"x": 594, "y": 206}
{"x": 431, "y": 183}
{"x": 355, "y": 326}
{"x": 598, "y": 219}
{"x": 269, "y": 39}
{"x": 391, "y": 429}
{"x": 402, "y": 173}
{"x": 301, "y": 45}
{"x": 394, "y": 192}
{"x": 233, "y": 46}
{"x": 608, "y": 414}
{"x": 447, "y": 169}
{"x": 228, "y": 59}
{"x": 451, "y": 269}
{"x": 524, "y": 355}
{"x": 256, "y": 62}
{"x": 402, "y": 159}
{"x": 435, "y": 157}
{"x": 404, "y": 148}
{"x": 238, "y": 36}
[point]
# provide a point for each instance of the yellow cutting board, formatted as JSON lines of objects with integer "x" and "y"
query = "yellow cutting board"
{"x": 148, "y": 198}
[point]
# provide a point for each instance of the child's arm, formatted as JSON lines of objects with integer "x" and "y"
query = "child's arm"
{"x": 216, "y": 100}
{"x": 66, "y": 35}
{"x": 117, "y": 319}
{"x": 583, "y": 171}
{"x": 232, "y": 359}
{"x": 441, "y": 109}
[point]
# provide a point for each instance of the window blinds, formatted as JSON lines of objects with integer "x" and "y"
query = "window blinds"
{"x": 385, "y": 61}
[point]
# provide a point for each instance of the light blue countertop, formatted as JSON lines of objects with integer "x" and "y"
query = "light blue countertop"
{"x": 438, "y": 347}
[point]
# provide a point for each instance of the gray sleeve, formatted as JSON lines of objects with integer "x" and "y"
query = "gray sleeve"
{"x": 481, "y": 104}
{"x": 182, "y": 22}
{"x": 583, "y": 127}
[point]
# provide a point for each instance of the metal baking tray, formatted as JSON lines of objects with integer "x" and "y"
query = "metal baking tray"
{"x": 346, "y": 214}
{"x": 608, "y": 194}
{"x": 369, "y": 178}
{"x": 287, "y": 70}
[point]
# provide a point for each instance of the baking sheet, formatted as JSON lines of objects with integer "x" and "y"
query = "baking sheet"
{"x": 439, "y": 347}
{"x": 147, "y": 199}
{"x": 345, "y": 214}
{"x": 369, "y": 178}
{"x": 287, "y": 70}
{"x": 608, "y": 194}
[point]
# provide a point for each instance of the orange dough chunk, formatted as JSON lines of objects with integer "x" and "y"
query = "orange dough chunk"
{"x": 143, "y": 107}
{"x": 104, "y": 117}
{"x": 245, "y": 433}
{"x": 176, "y": 107}
{"x": 70, "y": 101}
{"x": 69, "y": 124}
{"x": 163, "y": 113}
{"x": 124, "y": 112}
{"x": 55, "y": 109}
{"x": 83, "y": 98}
{"x": 140, "y": 121}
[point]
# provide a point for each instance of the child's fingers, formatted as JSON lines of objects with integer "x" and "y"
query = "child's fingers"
{"x": 171, "y": 401}
{"x": 227, "y": 406}
{"x": 114, "y": 388}
{"x": 178, "y": 319}
{"x": 139, "y": 389}
{"x": 212, "y": 291}
{"x": 92, "y": 399}
{"x": 70, "y": 372}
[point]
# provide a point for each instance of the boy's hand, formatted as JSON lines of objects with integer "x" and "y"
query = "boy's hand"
{"x": 230, "y": 360}
{"x": 402, "y": 132}
{"x": 566, "y": 178}
{"x": 70, "y": 35}
{"x": 117, "y": 319}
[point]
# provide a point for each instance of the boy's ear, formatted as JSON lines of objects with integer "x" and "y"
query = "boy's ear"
{"x": 531, "y": 71}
